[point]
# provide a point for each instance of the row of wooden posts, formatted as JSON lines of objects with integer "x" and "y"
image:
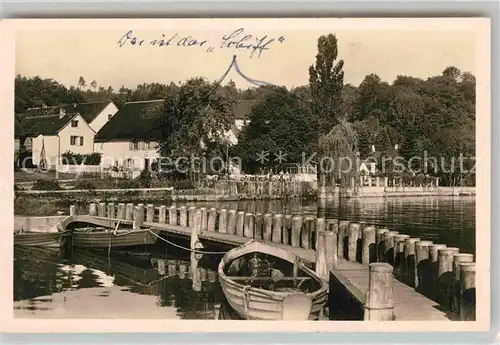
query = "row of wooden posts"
{"x": 439, "y": 272}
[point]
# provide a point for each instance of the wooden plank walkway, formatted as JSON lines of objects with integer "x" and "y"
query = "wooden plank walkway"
{"x": 409, "y": 305}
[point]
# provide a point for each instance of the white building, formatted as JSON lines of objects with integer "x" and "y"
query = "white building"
{"x": 59, "y": 129}
{"x": 129, "y": 141}
{"x": 96, "y": 114}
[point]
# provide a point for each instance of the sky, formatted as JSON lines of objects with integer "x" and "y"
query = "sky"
{"x": 65, "y": 55}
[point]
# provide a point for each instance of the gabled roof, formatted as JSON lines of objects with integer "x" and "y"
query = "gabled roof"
{"x": 142, "y": 121}
{"x": 134, "y": 121}
{"x": 88, "y": 111}
{"x": 46, "y": 125}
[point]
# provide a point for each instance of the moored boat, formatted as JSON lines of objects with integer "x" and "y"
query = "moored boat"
{"x": 37, "y": 239}
{"x": 264, "y": 282}
{"x": 94, "y": 232}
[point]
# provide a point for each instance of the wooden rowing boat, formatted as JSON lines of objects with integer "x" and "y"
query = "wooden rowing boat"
{"x": 282, "y": 287}
{"x": 37, "y": 239}
{"x": 94, "y": 232}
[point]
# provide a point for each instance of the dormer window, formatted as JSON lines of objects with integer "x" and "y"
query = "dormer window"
{"x": 74, "y": 123}
{"x": 110, "y": 116}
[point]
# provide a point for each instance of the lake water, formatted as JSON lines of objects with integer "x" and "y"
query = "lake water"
{"x": 166, "y": 283}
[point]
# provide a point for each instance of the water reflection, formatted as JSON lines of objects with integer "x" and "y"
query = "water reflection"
{"x": 117, "y": 286}
{"x": 447, "y": 220}
{"x": 170, "y": 284}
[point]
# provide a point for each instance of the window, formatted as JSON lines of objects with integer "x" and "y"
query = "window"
{"x": 129, "y": 163}
{"x": 147, "y": 145}
{"x": 76, "y": 140}
{"x": 110, "y": 116}
{"x": 74, "y": 123}
{"x": 136, "y": 145}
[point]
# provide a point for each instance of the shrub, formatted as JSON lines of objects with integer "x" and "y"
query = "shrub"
{"x": 144, "y": 178}
{"x": 128, "y": 184}
{"x": 72, "y": 158}
{"x": 183, "y": 185}
{"x": 28, "y": 206}
{"x": 46, "y": 185}
{"x": 84, "y": 184}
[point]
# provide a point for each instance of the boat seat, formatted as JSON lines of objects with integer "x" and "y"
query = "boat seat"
{"x": 296, "y": 307}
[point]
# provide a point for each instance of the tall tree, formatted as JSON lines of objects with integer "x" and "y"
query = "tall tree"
{"x": 82, "y": 83}
{"x": 326, "y": 80}
{"x": 278, "y": 132}
{"x": 196, "y": 119}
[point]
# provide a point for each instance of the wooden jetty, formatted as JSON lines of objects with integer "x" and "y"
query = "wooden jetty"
{"x": 378, "y": 274}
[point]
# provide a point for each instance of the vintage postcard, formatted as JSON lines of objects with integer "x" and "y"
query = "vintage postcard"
{"x": 202, "y": 175}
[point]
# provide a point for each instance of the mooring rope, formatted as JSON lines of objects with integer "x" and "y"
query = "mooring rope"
{"x": 185, "y": 248}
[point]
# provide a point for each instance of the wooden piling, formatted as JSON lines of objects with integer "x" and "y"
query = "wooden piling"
{"x": 354, "y": 236}
{"x": 135, "y": 222}
{"x": 258, "y": 226}
{"x": 369, "y": 255}
{"x": 129, "y": 211}
{"x": 111, "y": 210}
{"x": 204, "y": 219}
{"x": 320, "y": 226}
{"x": 445, "y": 275}
{"x": 468, "y": 291}
{"x": 212, "y": 219}
{"x": 191, "y": 212}
{"x": 312, "y": 232}
{"x": 240, "y": 223}
{"x": 287, "y": 229}
{"x": 150, "y": 213}
{"x": 231, "y": 222}
{"x": 268, "y": 227}
{"x": 389, "y": 246}
{"x": 422, "y": 270}
{"x": 72, "y": 210}
{"x": 399, "y": 256}
{"x": 162, "y": 214}
{"x": 332, "y": 225}
{"x": 196, "y": 230}
{"x": 296, "y": 229}
{"x": 172, "y": 215}
{"x": 380, "y": 244}
{"x": 121, "y": 211}
{"x": 223, "y": 220}
{"x": 331, "y": 250}
{"x": 92, "y": 209}
{"x": 321, "y": 265}
{"x": 379, "y": 304}
{"x": 410, "y": 260}
{"x": 249, "y": 225}
{"x": 183, "y": 221}
{"x": 434, "y": 276}
{"x": 305, "y": 235}
{"x": 140, "y": 214}
{"x": 342, "y": 239}
{"x": 101, "y": 212}
{"x": 277, "y": 228}
{"x": 456, "y": 292}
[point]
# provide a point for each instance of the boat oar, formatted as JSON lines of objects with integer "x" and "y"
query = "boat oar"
{"x": 296, "y": 307}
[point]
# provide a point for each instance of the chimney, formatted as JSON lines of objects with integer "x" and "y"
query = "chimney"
{"x": 62, "y": 113}
{"x": 373, "y": 148}
{"x": 396, "y": 147}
